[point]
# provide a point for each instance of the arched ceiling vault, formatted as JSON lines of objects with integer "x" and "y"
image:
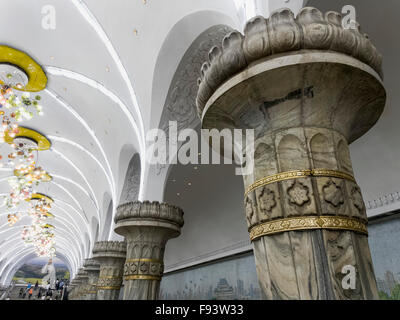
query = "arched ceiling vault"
{"x": 100, "y": 100}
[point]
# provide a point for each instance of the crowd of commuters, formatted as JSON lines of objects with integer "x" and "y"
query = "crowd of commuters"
{"x": 45, "y": 292}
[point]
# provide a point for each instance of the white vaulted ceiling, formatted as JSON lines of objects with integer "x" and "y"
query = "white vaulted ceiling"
{"x": 100, "y": 61}
{"x": 91, "y": 113}
{"x": 110, "y": 65}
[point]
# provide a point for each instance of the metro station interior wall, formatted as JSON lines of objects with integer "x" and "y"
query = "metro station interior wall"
{"x": 235, "y": 277}
{"x": 213, "y": 212}
{"x": 384, "y": 236}
{"x": 230, "y": 279}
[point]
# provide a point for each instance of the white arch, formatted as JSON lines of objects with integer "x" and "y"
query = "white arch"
{"x": 10, "y": 239}
{"x": 68, "y": 193}
{"x": 72, "y": 111}
{"x": 60, "y": 231}
{"x": 26, "y": 253}
{"x": 25, "y": 248}
{"x": 85, "y": 222}
{"x": 98, "y": 86}
{"x": 73, "y": 182}
{"x": 109, "y": 176}
{"x": 71, "y": 163}
{"x": 59, "y": 186}
{"x": 76, "y": 184}
{"x": 91, "y": 19}
{"x": 60, "y": 228}
{"x": 83, "y": 215}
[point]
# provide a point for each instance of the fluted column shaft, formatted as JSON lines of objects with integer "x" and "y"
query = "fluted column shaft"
{"x": 93, "y": 269}
{"x": 71, "y": 290}
{"x": 308, "y": 88}
{"x": 306, "y": 230}
{"x": 111, "y": 256}
{"x": 75, "y": 289}
{"x": 81, "y": 280}
{"x": 146, "y": 227}
{"x": 83, "y": 289}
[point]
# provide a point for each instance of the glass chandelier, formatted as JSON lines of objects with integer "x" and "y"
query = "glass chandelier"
{"x": 40, "y": 233}
{"x": 19, "y": 75}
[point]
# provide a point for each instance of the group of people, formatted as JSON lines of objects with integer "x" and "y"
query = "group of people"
{"x": 45, "y": 292}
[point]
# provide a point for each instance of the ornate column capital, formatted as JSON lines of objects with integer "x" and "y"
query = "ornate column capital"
{"x": 146, "y": 226}
{"x": 75, "y": 288}
{"x": 109, "y": 249}
{"x": 111, "y": 256}
{"x": 92, "y": 267}
{"x": 282, "y": 33}
{"x": 82, "y": 278}
{"x": 149, "y": 214}
{"x": 82, "y": 274}
{"x": 74, "y": 284}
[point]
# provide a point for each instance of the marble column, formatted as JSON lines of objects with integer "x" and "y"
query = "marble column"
{"x": 83, "y": 278}
{"x": 71, "y": 291}
{"x": 111, "y": 256}
{"x": 146, "y": 227}
{"x": 74, "y": 289}
{"x": 93, "y": 269}
{"x": 309, "y": 88}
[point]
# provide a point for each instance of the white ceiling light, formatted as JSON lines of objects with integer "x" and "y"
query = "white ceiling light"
{"x": 82, "y": 215}
{"x": 61, "y": 231}
{"x": 68, "y": 193}
{"x": 79, "y": 172}
{"x": 76, "y": 185}
{"x": 98, "y": 86}
{"x": 91, "y": 19}
{"x": 26, "y": 252}
{"x": 91, "y": 132}
{"x": 109, "y": 177}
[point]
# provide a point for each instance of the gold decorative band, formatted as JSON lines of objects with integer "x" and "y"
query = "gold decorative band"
{"x": 110, "y": 277}
{"x": 307, "y": 223}
{"x": 144, "y": 260}
{"x": 108, "y": 288}
{"x": 41, "y": 141}
{"x": 296, "y": 174}
{"x": 142, "y": 277}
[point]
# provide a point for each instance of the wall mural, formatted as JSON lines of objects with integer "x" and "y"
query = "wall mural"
{"x": 236, "y": 278}
{"x": 233, "y": 279}
{"x": 384, "y": 235}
